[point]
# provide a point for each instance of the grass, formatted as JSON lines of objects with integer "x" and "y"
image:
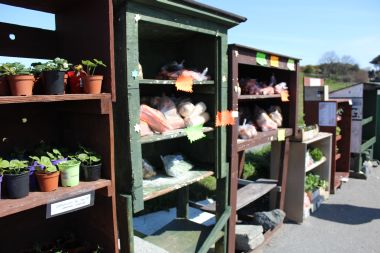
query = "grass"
{"x": 334, "y": 85}
{"x": 257, "y": 164}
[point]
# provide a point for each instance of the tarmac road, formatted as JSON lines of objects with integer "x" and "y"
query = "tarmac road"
{"x": 349, "y": 222}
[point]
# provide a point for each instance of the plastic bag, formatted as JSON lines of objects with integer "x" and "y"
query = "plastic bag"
{"x": 148, "y": 169}
{"x": 275, "y": 114}
{"x": 263, "y": 120}
{"x": 247, "y": 131}
{"x": 155, "y": 119}
{"x": 168, "y": 108}
{"x": 145, "y": 129}
{"x": 175, "y": 165}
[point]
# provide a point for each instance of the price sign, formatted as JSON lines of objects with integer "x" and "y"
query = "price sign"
{"x": 71, "y": 204}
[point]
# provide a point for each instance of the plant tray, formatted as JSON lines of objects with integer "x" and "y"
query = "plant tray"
{"x": 305, "y": 135}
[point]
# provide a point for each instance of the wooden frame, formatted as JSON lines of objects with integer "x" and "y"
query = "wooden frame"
{"x": 65, "y": 120}
{"x": 242, "y": 60}
{"x": 190, "y": 25}
{"x": 340, "y": 163}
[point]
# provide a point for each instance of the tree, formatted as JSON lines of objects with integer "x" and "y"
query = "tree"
{"x": 329, "y": 57}
{"x": 346, "y": 59}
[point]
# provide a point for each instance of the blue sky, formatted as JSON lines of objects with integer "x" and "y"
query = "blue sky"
{"x": 308, "y": 29}
{"x": 299, "y": 28}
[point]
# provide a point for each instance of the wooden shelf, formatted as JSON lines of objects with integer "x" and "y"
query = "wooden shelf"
{"x": 169, "y": 135}
{"x": 34, "y": 199}
{"x": 252, "y": 97}
{"x": 367, "y": 120}
{"x": 367, "y": 143}
{"x": 162, "y": 184}
{"x": 172, "y": 82}
{"x": 338, "y": 156}
{"x": 51, "y": 98}
{"x": 260, "y": 138}
{"x": 316, "y": 164}
{"x": 181, "y": 235}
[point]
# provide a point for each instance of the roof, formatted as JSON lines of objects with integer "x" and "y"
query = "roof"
{"x": 264, "y": 51}
{"x": 371, "y": 85}
{"x": 376, "y": 60}
{"x": 213, "y": 10}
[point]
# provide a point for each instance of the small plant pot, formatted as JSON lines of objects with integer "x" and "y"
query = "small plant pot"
{"x": 47, "y": 182}
{"x": 33, "y": 185}
{"x": 21, "y": 85}
{"x": 1, "y": 180}
{"x": 53, "y": 82}
{"x": 69, "y": 173}
{"x": 90, "y": 172}
{"x": 17, "y": 186}
{"x": 4, "y": 87}
{"x": 93, "y": 84}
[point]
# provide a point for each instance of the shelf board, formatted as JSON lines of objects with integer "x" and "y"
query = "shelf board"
{"x": 367, "y": 120}
{"x": 319, "y": 137}
{"x": 251, "y": 97}
{"x": 178, "y": 133}
{"x": 34, "y": 199}
{"x": 316, "y": 164}
{"x": 338, "y": 156}
{"x": 261, "y": 138}
{"x": 251, "y": 191}
{"x": 172, "y": 82}
{"x": 162, "y": 184}
{"x": 181, "y": 235}
{"x": 51, "y": 98}
{"x": 338, "y": 137}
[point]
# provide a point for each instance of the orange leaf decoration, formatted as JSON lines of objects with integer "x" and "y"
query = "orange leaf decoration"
{"x": 285, "y": 96}
{"x": 224, "y": 118}
{"x": 184, "y": 83}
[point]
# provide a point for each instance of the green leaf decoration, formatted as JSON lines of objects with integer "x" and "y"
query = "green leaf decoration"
{"x": 261, "y": 59}
{"x": 291, "y": 65}
{"x": 195, "y": 133}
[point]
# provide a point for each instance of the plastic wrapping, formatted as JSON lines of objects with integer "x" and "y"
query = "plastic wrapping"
{"x": 145, "y": 129}
{"x": 247, "y": 131}
{"x": 148, "y": 170}
{"x": 175, "y": 165}
{"x": 155, "y": 119}
{"x": 263, "y": 120}
{"x": 168, "y": 108}
{"x": 275, "y": 115}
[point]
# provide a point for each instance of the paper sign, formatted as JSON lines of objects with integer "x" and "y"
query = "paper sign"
{"x": 224, "y": 118}
{"x": 327, "y": 114}
{"x": 260, "y": 59}
{"x": 274, "y": 61}
{"x": 291, "y": 64}
{"x": 195, "y": 133}
{"x": 281, "y": 134}
{"x": 184, "y": 83}
{"x": 70, "y": 205}
{"x": 284, "y": 96}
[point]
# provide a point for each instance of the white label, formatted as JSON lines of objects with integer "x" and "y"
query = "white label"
{"x": 315, "y": 82}
{"x": 235, "y": 114}
{"x": 378, "y": 92}
{"x": 70, "y": 204}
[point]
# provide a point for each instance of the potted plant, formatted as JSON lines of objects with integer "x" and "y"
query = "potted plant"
{"x": 92, "y": 83}
{"x": 90, "y": 166}
{"x": 69, "y": 172}
{"x": 20, "y": 79}
{"x": 53, "y": 75}
{"x": 1, "y": 173}
{"x": 4, "y": 86}
{"x": 55, "y": 156}
{"x": 16, "y": 178}
{"x": 46, "y": 173}
{"x": 316, "y": 154}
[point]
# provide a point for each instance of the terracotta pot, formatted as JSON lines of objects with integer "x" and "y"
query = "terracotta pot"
{"x": 4, "y": 87}
{"x": 65, "y": 78}
{"x": 21, "y": 85}
{"x": 93, "y": 84}
{"x": 48, "y": 182}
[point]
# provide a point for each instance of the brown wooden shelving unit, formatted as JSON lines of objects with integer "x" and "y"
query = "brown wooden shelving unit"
{"x": 243, "y": 64}
{"x": 62, "y": 120}
{"x": 340, "y": 160}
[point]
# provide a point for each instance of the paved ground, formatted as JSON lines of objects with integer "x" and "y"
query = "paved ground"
{"x": 349, "y": 222}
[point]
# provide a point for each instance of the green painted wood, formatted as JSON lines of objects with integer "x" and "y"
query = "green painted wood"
{"x": 183, "y": 203}
{"x": 367, "y": 120}
{"x": 125, "y": 223}
{"x": 214, "y": 235}
{"x": 376, "y": 153}
{"x": 162, "y": 184}
{"x": 368, "y": 144}
{"x": 181, "y": 235}
{"x": 178, "y": 133}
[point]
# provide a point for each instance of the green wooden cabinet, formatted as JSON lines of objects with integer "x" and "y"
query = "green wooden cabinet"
{"x": 154, "y": 33}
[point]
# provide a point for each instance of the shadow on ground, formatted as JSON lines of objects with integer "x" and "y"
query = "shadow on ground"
{"x": 347, "y": 214}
